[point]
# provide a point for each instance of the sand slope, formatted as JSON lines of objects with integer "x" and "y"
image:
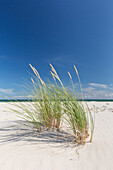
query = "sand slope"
{"x": 21, "y": 148}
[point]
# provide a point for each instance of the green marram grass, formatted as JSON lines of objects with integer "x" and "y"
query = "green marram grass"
{"x": 79, "y": 118}
{"x": 54, "y": 103}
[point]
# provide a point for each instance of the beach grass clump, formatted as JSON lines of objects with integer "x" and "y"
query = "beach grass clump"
{"x": 53, "y": 102}
{"x": 50, "y": 108}
{"x": 78, "y": 117}
{"x": 43, "y": 107}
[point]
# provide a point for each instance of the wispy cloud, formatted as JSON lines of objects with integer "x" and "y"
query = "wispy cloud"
{"x": 7, "y": 91}
{"x": 24, "y": 97}
{"x": 102, "y": 94}
{"x": 88, "y": 89}
{"x": 98, "y": 85}
{"x": 3, "y": 57}
{"x": 64, "y": 60}
{"x": 98, "y": 91}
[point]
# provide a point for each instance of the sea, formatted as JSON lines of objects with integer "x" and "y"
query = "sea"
{"x": 25, "y": 100}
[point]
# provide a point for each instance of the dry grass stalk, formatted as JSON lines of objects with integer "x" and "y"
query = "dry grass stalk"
{"x": 69, "y": 75}
{"x": 37, "y": 74}
{"x": 32, "y": 81}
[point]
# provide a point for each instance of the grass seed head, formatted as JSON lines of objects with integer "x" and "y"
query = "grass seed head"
{"x": 69, "y": 75}
{"x": 53, "y": 75}
{"x": 37, "y": 74}
{"x": 32, "y": 81}
{"x": 53, "y": 69}
{"x": 76, "y": 70}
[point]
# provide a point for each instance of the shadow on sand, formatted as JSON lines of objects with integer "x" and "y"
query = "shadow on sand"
{"x": 24, "y": 131}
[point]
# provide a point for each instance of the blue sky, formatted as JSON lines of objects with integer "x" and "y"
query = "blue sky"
{"x": 60, "y": 32}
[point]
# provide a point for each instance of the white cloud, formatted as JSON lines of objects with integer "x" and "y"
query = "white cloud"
{"x": 24, "y": 97}
{"x": 88, "y": 89}
{"x": 6, "y": 91}
{"x": 95, "y": 94}
{"x": 110, "y": 95}
{"x": 98, "y": 94}
{"x": 98, "y": 91}
{"x": 98, "y": 85}
{"x": 111, "y": 85}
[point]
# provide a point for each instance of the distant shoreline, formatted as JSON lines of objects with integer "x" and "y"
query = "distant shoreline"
{"x": 28, "y": 100}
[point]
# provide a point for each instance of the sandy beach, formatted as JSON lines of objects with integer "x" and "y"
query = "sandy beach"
{"x": 22, "y": 148}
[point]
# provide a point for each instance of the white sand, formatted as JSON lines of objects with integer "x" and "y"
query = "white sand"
{"x": 21, "y": 148}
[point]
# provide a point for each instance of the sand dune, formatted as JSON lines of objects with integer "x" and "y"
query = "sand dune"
{"x": 22, "y": 148}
